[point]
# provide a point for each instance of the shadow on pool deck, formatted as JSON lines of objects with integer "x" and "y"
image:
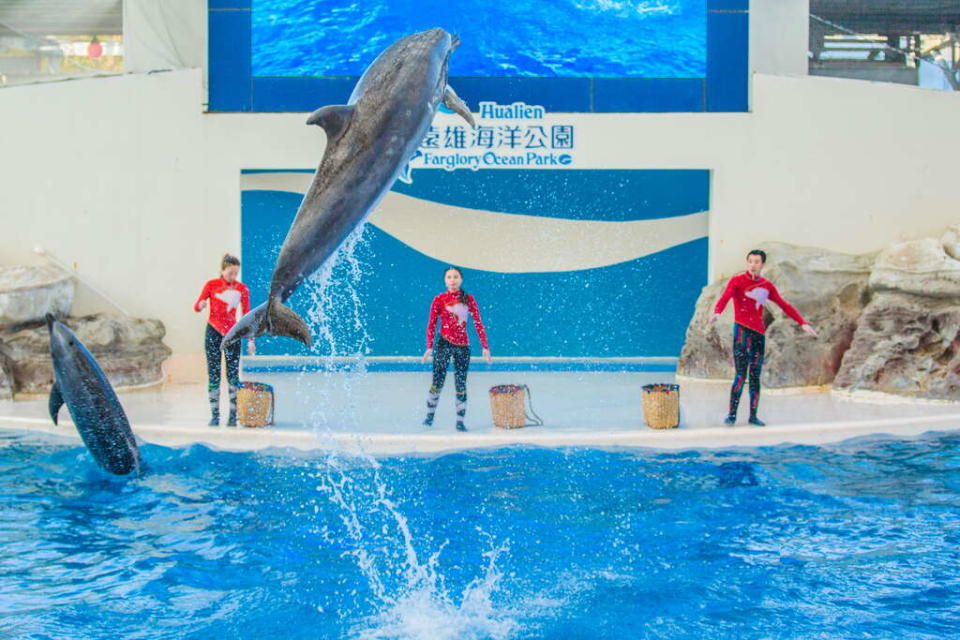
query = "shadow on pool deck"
{"x": 381, "y": 413}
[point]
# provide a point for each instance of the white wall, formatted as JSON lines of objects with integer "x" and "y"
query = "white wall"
{"x": 162, "y": 34}
{"x": 779, "y": 36}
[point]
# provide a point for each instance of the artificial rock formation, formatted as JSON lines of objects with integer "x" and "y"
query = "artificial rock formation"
{"x": 6, "y": 380}
{"x": 908, "y": 337}
{"x": 129, "y": 350}
{"x": 828, "y": 289}
{"x": 28, "y": 294}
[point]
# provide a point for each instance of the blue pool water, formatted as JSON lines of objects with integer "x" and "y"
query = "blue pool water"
{"x": 561, "y": 38}
{"x": 855, "y": 540}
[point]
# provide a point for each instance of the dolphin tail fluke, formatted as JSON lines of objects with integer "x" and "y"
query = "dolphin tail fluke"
{"x": 56, "y": 401}
{"x": 455, "y": 104}
{"x": 284, "y": 321}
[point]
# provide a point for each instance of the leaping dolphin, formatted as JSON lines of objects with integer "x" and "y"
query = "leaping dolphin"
{"x": 79, "y": 383}
{"x": 369, "y": 143}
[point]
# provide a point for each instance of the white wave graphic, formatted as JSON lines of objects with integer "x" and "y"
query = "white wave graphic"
{"x": 508, "y": 242}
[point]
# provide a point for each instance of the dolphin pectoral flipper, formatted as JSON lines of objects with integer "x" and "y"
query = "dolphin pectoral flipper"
{"x": 56, "y": 401}
{"x": 284, "y": 321}
{"x": 334, "y": 119}
{"x": 455, "y": 104}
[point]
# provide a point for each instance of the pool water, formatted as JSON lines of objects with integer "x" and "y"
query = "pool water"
{"x": 860, "y": 539}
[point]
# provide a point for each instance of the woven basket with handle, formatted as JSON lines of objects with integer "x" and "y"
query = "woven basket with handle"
{"x": 661, "y": 405}
{"x": 512, "y": 407}
{"x": 255, "y": 404}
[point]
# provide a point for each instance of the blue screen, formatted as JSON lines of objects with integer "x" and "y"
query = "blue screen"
{"x": 600, "y": 56}
{"x": 523, "y": 38}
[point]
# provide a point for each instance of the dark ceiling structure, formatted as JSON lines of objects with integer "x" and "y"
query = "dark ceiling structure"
{"x": 105, "y": 17}
{"x": 62, "y": 17}
{"x": 901, "y": 17}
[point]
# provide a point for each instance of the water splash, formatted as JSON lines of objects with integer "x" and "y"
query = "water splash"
{"x": 336, "y": 318}
{"x": 412, "y": 600}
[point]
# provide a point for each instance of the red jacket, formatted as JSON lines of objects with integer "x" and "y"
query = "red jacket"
{"x": 453, "y": 324}
{"x": 750, "y": 295}
{"x": 225, "y": 297}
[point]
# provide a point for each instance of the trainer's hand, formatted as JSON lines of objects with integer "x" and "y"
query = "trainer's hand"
{"x": 426, "y": 355}
{"x": 713, "y": 319}
{"x": 251, "y": 347}
{"x": 810, "y": 331}
{"x": 202, "y": 306}
{"x": 487, "y": 356}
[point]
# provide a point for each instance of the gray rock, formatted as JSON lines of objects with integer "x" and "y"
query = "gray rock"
{"x": 129, "y": 350}
{"x": 918, "y": 267}
{"x": 27, "y": 294}
{"x": 906, "y": 345}
{"x": 908, "y": 337}
{"x": 828, "y": 289}
{"x": 951, "y": 242}
{"x": 6, "y": 380}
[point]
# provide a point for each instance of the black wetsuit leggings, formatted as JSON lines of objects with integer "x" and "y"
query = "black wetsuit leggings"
{"x": 232, "y": 353}
{"x": 442, "y": 353}
{"x": 748, "y": 349}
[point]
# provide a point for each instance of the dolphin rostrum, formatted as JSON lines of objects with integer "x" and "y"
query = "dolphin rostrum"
{"x": 370, "y": 140}
{"x": 79, "y": 383}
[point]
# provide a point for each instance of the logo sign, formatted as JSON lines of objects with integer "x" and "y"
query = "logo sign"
{"x": 507, "y": 135}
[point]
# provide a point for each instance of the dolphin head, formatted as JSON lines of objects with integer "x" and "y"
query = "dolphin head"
{"x": 65, "y": 347}
{"x": 62, "y": 340}
{"x": 438, "y": 42}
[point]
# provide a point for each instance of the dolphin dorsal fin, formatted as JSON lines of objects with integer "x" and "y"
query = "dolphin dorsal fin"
{"x": 56, "y": 401}
{"x": 333, "y": 118}
{"x": 455, "y": 104}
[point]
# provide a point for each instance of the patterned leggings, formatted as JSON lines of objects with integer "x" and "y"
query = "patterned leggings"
{"x": 748, "y": 349}
{"x": 443, "y": 351}
{"x": 211, "y": 341}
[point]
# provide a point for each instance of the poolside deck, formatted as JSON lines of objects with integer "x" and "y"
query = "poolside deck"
{"x": 380, "y": 413}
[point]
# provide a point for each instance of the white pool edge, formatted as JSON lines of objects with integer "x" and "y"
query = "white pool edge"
{"x": 246, "y": 439}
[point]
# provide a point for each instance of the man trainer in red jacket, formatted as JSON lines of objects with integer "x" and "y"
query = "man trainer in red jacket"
{"x": 750, "y": 294}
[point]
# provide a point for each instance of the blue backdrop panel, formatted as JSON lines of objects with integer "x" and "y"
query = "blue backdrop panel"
{"x": 377, "y": 302}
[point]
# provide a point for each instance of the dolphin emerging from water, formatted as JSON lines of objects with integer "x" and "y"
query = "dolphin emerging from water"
{"x": 370, "y": 140}
{"x": 79, "y": 383}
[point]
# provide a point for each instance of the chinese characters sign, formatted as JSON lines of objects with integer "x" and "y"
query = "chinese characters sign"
{"x": 506, "y": 135}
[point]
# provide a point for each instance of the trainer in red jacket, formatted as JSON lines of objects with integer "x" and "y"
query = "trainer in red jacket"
{"x": 750, "y": 293}
{"x": 225, "y": 296}
{"x": 453, "y": 308}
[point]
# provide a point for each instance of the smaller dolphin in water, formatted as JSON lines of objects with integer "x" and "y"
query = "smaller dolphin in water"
{"x": 79, "y": 383}
{"x": 370, "y": 141}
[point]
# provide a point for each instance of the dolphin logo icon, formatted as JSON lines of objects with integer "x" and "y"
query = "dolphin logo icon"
{"x": 461, "y": 311}
{"x": 231, "y": 297}
{"x": 760, "y": 295}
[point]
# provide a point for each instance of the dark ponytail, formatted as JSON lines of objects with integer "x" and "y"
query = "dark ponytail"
{"x": 229, "y": 261}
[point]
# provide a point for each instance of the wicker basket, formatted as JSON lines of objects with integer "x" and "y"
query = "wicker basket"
{"x": 661, "y": 405}
{"x": 255, "y": 405}
{"x": 507, "y": 406}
